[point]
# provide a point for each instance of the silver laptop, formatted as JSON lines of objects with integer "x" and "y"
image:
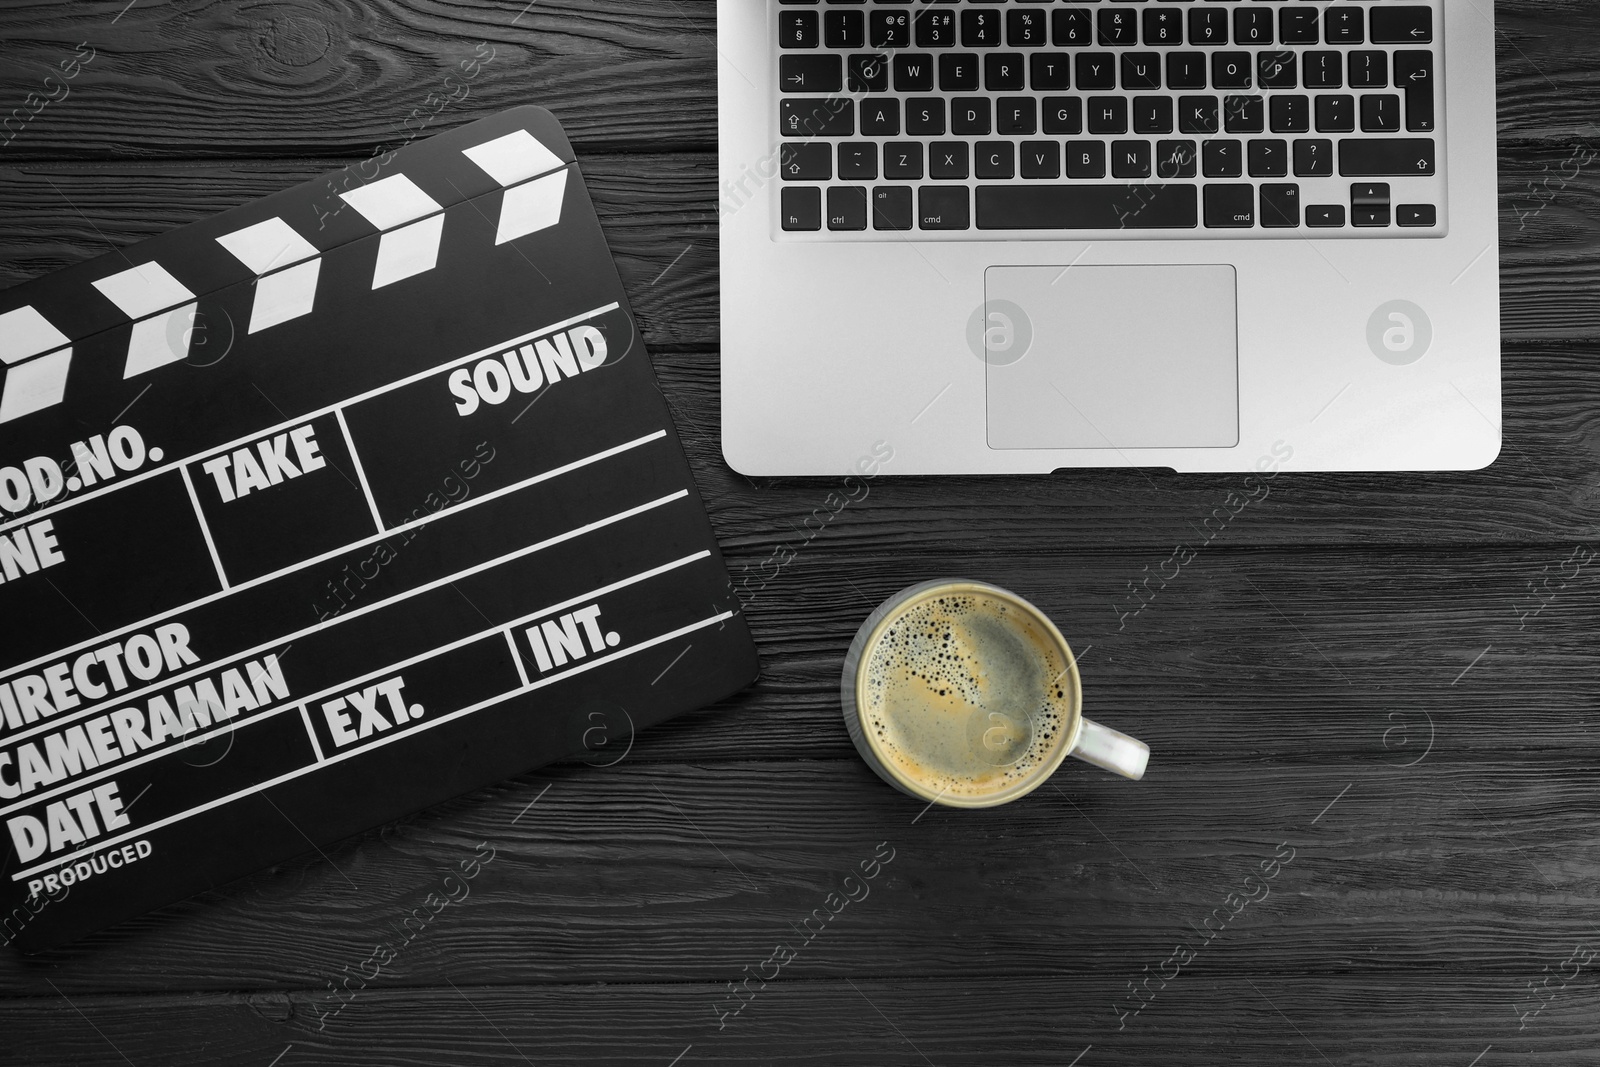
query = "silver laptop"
{"x": 1022, "y": 235}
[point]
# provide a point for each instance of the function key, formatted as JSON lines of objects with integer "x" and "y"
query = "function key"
{"x": 802, "y": 208}
{"x": 797, "y": 29}
{"x": 1402, "y": 25}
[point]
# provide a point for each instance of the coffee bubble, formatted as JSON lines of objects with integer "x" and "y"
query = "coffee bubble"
{"x": 965, "y": 694}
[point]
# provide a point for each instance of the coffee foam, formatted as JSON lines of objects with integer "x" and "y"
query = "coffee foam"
{"x": 965, "y": 694}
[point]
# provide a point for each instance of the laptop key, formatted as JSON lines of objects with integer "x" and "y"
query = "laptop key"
{"x": 1380, "y": 113}
{"x": 1325, "y": 216}
{"x": 1175, "y": 159}
{"x": 832, "y": 117}
{"x": 1041, "y": 159}
{"x": 806, "y": 162}
{"x": 1413, "y": 72}
{"x": 944, "y": 207}
{"x": 1280, "y": 205}
{"x": 1268, "y": 158}
{"x": 947, "y": 161}
{"x": 818, "y": 73}
{"x": 994, "y": 160}
{"x": 1230, "y": 206}
{"x": 1222, "y": 159}
{"x": 868, "y": 73}
{"x": 1313, "y": 158}
{"x": 1063, "y": 115}
{"x": 880, "y": 117}
{"x": 1086, "y": 207}
{"x": 802, "y": 208}
{"x": 1417, "y": 215}
{"x": 858, "y": 160}
{"x": 797, "y": 29}
{"x": 1402, "y": 25}
{"x": 902, "y": 160}
{"x": 847, "y": 208}
{"x": 891, "y": 207}
{"x": 1086, "y": 159}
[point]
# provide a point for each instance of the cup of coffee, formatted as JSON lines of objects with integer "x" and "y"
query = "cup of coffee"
{"x": 965, "y": 694}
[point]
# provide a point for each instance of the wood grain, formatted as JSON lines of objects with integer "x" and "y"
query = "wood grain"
{"x": 1391, "y": 674}
{"x": 610, "y": 877}
{"x": 1273, "y": 1015}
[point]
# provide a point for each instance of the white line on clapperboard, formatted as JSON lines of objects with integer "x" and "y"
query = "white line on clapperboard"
{"x": 123, "y": 483}
{"x": 341, "y": 550}
{"x": 302, "y": 703}
{"x": 55, "y": 723}
{"x": 430, "y": 724}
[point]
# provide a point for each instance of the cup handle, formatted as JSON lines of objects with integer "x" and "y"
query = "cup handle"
{"x": 1110, "y": 750}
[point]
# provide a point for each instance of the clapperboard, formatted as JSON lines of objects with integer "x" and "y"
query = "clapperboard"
{"x": 326, "y": 509}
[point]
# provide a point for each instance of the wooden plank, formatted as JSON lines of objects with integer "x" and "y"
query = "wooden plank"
{"x": 183, "y": 79}
{"x": 1212, "y": 1017}
{"x": 683, "y": 872}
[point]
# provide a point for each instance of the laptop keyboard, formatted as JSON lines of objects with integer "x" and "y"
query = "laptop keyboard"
{"x": 944, "y": 119}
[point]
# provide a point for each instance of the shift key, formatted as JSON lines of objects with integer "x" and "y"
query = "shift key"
{"x": 1379, "y": 157}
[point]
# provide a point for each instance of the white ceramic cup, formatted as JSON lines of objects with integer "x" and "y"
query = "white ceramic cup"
{"x": 1086, "y": 740}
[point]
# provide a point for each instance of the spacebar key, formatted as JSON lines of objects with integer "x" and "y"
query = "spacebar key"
{"x": 1087, "y": 207}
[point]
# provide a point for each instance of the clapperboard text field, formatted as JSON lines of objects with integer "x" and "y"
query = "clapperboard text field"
{"x": 417, "y": 507}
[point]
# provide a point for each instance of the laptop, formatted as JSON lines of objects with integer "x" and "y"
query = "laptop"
{"x": 1008, "y": 236}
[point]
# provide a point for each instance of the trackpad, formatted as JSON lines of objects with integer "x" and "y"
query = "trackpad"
{"x": 1111, "y": 357}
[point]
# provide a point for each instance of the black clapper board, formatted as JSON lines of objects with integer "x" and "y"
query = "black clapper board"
{"x": 326, "y": 509}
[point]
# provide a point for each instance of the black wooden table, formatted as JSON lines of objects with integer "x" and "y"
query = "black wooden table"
{"x": 1366, "y": 834}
